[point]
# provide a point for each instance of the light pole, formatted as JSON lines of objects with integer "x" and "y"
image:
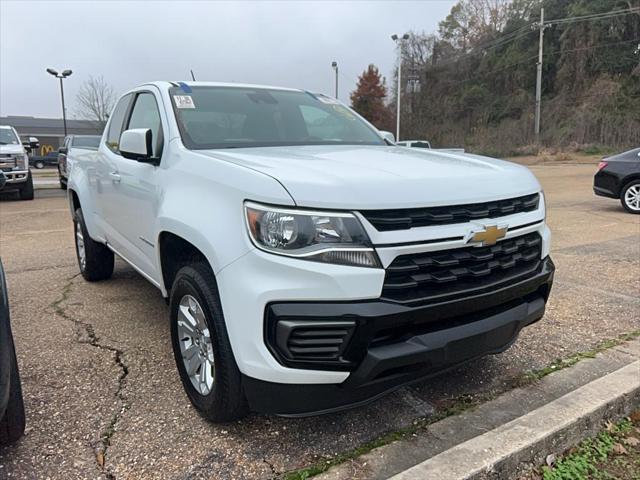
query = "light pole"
{"x": 335, "y": 68}
{"x": 64, "y": 74}
{"x": 398, "y": 41}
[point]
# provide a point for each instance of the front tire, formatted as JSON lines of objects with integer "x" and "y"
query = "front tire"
{"x": 26, "y": 192}
{"x": 630, "y": 197}
{"x": 203, "y": 355}
{"x": 13, "y": 422}
{"x": 94, "y": 259}
{"x": 39, "y": 165}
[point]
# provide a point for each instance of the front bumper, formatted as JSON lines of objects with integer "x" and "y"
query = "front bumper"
{"x": 15, "y": 178}
{"x": 426, "y": 340}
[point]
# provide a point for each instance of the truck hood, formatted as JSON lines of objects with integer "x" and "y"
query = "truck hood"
{"x": 378, "y": 177}
{"x": 11, "y": 149}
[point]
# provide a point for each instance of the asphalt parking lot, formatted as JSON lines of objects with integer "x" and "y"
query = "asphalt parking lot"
{"x": 104, "y": 399}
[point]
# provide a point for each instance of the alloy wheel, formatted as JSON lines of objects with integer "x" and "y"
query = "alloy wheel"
{"x": 82, "y": 254}
{"x": 196, "y": 347}
{"x": 632, "y": 197}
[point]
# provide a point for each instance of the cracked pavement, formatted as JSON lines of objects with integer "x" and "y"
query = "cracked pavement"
{"x": 104, "y": 400}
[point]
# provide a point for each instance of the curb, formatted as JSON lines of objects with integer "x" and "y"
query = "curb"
{"x": 554, "y": 427}
{"x": 552, "y": 391}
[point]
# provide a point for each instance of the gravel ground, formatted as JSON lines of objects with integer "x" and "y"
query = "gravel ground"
{"x": 104, "y": 400}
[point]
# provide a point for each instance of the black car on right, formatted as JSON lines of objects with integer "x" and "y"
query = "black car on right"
{"x": 618, "y": 176}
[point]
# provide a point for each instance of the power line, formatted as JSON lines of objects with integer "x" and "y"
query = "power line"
{"x": 526, "y": 29}
{"x": 600, "y": 45}
{"x": 533, "y": 57}
{"x": 594, "y": 16}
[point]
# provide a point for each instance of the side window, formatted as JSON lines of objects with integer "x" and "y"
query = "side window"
{"x": 115, "y": 124}
{"x": 145, "y": 114}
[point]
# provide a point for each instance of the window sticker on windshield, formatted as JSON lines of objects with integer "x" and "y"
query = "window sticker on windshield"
{"x": 184, "y": 101}
{"x": 328, "y": 100}
{"x": 345, "y": 112}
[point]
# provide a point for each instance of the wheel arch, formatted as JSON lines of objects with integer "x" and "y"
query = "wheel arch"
{"x": 174, "y": 251}
{"x": 627, "y": 180}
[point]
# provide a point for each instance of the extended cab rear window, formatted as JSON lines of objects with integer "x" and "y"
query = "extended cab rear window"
{"x": 237, "y": 117}
{"x": 86, "y": 142}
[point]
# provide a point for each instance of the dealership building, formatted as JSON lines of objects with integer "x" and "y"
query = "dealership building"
{"x": 49, "y": 131}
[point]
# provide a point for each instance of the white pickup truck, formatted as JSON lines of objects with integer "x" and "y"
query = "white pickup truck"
{"x": 310, "y": 265}
{"x": 14, "y": 164}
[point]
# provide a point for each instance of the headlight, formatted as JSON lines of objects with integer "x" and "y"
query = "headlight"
{"x": 23, "y": 162}
{"x": 331, "y": 237}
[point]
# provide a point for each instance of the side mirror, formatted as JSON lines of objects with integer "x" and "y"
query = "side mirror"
{"x": 388, "y": 136}
{"x": 63, "y": 150}
{"x": 136, "y": 144}
{"x": 34, "y": 143}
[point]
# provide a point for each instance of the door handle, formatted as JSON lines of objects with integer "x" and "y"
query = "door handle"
{"x": 115, "y": 177}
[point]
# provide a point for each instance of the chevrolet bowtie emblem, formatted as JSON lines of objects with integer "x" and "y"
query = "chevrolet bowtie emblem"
{"x": 490, "y": 235}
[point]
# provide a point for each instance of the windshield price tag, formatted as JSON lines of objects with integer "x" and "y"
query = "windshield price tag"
{"x": 184, "y": 101}
{"x": 328, "y": 100}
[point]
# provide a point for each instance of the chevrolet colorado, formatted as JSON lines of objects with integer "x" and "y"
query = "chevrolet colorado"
{"x": 310, "y": 265}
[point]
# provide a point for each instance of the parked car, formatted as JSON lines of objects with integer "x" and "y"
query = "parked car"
{"x": 73, "y": 145}
{"x": 310, "y": 264}
{"x": 414, "y": 143}
{"x": 425, "y": 144}
{"x": 12, "y": 417}
{"x": 48, "y": 160}
{"x": 14, "y": 163}
{"x": 618, "y": 176}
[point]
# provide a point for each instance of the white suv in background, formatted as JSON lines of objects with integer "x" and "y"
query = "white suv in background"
{"x": 14, "y": 163}
{"x": 310, "y": 264}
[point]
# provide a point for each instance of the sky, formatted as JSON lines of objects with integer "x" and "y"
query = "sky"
{"x": 282, "y": 43}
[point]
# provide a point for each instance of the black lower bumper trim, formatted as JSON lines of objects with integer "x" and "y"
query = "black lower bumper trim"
{"x": 434, "y": 338}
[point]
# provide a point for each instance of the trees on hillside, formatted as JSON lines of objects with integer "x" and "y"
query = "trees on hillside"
{"x": 478, "y": 76}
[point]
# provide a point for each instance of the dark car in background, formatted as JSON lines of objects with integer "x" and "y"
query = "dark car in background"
{"x": 618, "y": 176}
{"x": 41, "y": 161}
{"x": 73, "y": 144}
{"x": 12, "y": 418}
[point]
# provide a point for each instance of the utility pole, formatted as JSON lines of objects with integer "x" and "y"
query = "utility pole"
{"x": 335, "y": 68}
{"x": 399, "y": 42}
{"x": 541, "y": 26}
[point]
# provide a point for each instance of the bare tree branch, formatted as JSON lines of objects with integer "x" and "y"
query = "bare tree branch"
{"x": 94, "y": 100}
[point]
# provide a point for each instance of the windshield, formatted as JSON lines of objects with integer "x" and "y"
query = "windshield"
{"x": 236, "y": 117}
{"x": 7, "y": 137}
{"x": 84, "y": 142}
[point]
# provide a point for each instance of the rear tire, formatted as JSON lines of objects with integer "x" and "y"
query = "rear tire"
{"x": 630, "y": 197}
{"x": 12, "y": 425}
{"x": 26, "y": 192}
{"x": 94, "y": 259}
{"x": 39, "y": 165}
{"x": 224, "y": 400}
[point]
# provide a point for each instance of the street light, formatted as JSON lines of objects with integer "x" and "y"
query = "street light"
{"x": 398, "y": 41}
{"x": 64, "y": 74}
{"x": 335, "y": 68}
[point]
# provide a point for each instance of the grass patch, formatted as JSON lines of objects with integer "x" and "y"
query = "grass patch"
{"x": 590, "y": 458}
{"x": 455, "y": 407}
{"x": 562, "y": 363}
{"x": 597, "y": 150}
